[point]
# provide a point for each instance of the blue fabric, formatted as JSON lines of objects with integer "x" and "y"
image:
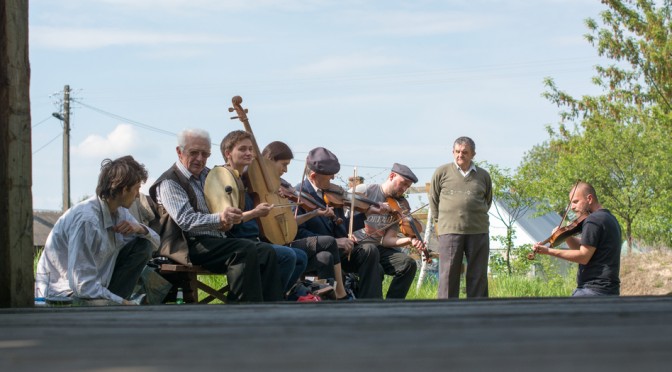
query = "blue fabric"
{"x": 587, "y": 292}
{"x": 292, "y": 263}
{"x": 321, "y": 225}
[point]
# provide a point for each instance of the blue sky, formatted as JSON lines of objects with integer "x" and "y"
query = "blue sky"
{"x": 376, "y": 82}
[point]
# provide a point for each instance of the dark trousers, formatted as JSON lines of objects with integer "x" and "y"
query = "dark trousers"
{"x": 251, "y": 269}
{"x": 322, "y": 254}
{"x": 132, "y": 259}
{"x": 401, "y": 267}
{"x": 365, "y": 261}
{"x": 452, "y": 249}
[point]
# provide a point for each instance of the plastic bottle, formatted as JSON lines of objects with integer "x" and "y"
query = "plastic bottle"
{"x": 179, "y": 297}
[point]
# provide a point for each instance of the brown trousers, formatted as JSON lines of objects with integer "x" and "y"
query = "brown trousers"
{"x": 452, "y": 249}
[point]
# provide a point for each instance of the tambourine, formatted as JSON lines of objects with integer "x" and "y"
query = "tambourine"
{"x": 223, "y": 189}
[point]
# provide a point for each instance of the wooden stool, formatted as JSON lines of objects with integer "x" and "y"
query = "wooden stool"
{"x": 192, "y": 272}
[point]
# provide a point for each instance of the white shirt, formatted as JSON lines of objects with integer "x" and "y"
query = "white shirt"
{"x": 463, "y": 173}
{"x": 82, "y": 249}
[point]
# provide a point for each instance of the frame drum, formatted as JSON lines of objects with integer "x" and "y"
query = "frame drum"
{"x": 215, "y": 190}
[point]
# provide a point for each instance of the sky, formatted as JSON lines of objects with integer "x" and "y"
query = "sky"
{"x": 376, "y": 82}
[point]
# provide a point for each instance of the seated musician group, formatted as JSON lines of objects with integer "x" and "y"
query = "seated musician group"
{"x": 231, "y": 237}
{"x": 243, "y": 220}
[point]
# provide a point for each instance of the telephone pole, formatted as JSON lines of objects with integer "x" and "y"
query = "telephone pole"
{"x": 66, "y": 148}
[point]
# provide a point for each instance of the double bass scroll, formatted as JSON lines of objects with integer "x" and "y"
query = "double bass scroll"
{"x": 279, "y": 226}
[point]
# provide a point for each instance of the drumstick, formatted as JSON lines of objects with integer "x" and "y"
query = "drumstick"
{"x": 229, "y": 190}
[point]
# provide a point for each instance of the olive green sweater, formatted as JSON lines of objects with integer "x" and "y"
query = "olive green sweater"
{"x": 459, "y": 205}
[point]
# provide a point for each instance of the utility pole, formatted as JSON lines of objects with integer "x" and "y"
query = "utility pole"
{"x": 66, "y": 148}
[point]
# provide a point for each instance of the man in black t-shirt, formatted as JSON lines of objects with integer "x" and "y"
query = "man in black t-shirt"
{"x": 598, "y": 252}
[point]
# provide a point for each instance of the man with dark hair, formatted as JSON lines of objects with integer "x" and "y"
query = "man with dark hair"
{"x": 460, "y": 196}
{"x": 598, "y": 252}
{"x": 97, "y": 249}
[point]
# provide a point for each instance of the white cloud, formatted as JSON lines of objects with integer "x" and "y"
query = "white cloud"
{"x": 91, "y": 38}
{"x": 121, "y": 141}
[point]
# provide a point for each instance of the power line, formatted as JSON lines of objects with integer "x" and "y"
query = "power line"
{"x": 132, "y": 122}
{"x": 46, "y": 144}
{"x": 42, "y": 121}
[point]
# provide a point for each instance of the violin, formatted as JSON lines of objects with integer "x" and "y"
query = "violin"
{"x": 562, "y": 233}
{"x": 337, "y": 197}
{"x": 279, "y": 226}
{"x": 303, "y": 200}
{"x": 408, "y": 225}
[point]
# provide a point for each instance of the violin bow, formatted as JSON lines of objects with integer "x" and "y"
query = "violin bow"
{"x": 352, "y": 209}
{"x": 303, "y": 178}
{"x": 570, "y": 202}
{"x": 396, "y": 221}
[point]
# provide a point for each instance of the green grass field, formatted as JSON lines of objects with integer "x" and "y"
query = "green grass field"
{"x": 502, "y": 286}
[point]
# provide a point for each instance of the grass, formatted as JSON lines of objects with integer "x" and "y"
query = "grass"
{"x": 499, "y": 287}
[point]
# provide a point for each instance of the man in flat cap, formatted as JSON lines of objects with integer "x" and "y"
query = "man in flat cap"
{"x": 381, "y": 231}
{"x": 460, "y": 196}
{"x": 321, "y": 166}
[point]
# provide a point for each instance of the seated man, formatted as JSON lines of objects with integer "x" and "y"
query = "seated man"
{"x": 382, "y": 231}
{"x": 97, "y": 249}
{"x": 322, "y": 165}
{"x": 190, "y": 233}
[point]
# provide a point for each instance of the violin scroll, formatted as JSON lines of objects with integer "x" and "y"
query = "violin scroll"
{"x": 240, "y": 111}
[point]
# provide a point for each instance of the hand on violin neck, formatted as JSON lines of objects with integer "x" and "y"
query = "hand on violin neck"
{"x": 540, "y": 248}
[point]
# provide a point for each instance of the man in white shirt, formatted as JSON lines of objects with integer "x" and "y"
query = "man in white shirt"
{"x": 97, "y": 249}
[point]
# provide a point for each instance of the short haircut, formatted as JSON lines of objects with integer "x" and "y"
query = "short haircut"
{"x": 587, "y": 189}
{"x": 229, "y": 142}
{"x": 117, "y": 175}
{"x": 465, "y": 141}
{"x": 277, "y": 150}
{"x": 196, "y": 133}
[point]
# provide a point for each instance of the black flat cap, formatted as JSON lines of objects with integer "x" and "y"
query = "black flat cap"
{"x": 323, "y": 161}
{"x": 404, "y": 171}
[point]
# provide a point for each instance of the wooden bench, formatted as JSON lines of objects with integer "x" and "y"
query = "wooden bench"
{"x": 192, "y": 272}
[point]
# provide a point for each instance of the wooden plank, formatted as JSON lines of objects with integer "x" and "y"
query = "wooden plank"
{"x": 16, "y": 206}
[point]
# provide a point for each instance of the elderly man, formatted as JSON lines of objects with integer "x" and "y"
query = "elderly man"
{"x": 460, "y": 196}
{"x": 190, "y": 233}
{"x": 97, "y": 249}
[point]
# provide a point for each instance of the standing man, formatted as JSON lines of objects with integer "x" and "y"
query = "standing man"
{"x": 598, "y": 252}
{"x": 190, "y": 233}
{"x": 97, "y": 249}
{"x": 382, "y": 230}
{"x": 460, "y": 196}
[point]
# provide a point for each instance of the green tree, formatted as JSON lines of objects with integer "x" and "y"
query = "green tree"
{"x": 509, "y": 204}
{"x": 620, "y": 140}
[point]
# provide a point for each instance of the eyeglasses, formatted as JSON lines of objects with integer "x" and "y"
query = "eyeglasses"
{"x": 195, "y": 153}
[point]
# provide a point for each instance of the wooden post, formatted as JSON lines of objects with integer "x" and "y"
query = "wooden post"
{"x": 16, "y": 204}
{"x": 66, "y": 148}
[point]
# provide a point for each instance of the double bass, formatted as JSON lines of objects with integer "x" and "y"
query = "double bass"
{"x": 279, "y": 226}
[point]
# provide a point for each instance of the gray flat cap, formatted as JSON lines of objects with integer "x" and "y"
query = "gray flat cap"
{"x": 404, "y": 171}
{"x": 323, "y": 161}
